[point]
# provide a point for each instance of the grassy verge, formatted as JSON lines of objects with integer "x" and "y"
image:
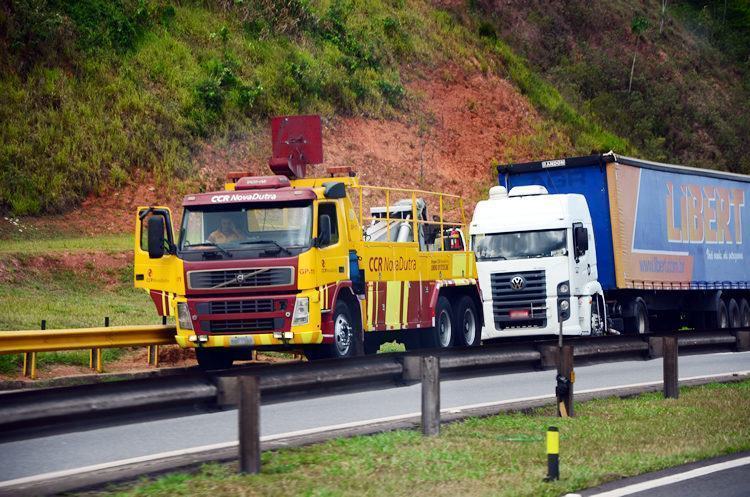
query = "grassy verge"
{"x": 500, "y": 455}
{"x": 105, "y": 243}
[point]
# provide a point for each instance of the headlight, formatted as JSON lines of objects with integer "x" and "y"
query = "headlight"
{"x": 183, "y": 316}
{"x": 301, "y": 311}
{"x": 564, "y": 305}
{"x": 563, "y": 288}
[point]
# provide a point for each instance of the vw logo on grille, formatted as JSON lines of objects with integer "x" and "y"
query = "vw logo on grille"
{"x": 517, "y": 283}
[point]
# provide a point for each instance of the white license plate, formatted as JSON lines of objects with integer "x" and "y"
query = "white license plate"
{"x": 242, "y": 341}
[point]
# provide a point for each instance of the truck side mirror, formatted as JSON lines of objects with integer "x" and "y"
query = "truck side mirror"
{"x": 156, "y": 237}
{"x": 581, "y": 236}
{"x": 324, "y": 231}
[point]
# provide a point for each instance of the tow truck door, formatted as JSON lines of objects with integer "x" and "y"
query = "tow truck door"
{"x": 164, "y": 274}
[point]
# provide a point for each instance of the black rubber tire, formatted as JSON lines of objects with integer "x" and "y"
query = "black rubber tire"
{"x": 341, "y": 347}
{"x": 435, "y": 337}
{"x": 214, "y": 358}
{"x": 638, "y": 324}
{"x": 719, "y": 319}
{"x": 466, "y": 318}
{"x": 733, "y": 312}
{"x": 744, "y": 313}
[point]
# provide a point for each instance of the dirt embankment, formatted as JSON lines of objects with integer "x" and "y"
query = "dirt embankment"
{"x": 463, "y": 123}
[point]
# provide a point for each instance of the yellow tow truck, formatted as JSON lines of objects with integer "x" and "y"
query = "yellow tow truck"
{"x": 323, "y": 265}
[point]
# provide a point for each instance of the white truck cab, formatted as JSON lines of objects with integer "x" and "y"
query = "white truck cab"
{"x": 537, "y": 264}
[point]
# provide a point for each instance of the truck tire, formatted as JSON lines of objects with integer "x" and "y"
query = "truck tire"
{"x": 344, "y": 329}
{"x": 440, "y": 336}
{"x": 468, "y": 329}
{"x": 719, "y": 319}
{"x": 214, "y": 358}
{"x": 638, "y": 324}
{"x": 744, "y": 314}
{"x": 733, "y": 310}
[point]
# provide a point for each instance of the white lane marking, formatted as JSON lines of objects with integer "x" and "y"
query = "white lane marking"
{"x": 311, "y": 431}
{"x": 668, "y": 480}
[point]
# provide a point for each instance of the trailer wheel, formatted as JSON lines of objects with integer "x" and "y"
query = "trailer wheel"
{"x": 214, "y": 358}
{"x": 719, "y": 319}
{"x": 638, "y": 324}
{"x": 733, "y": 310}
{"x": 440, "y": 335}
{"x": 744, "y": 314}
{"x": 469, "y": 331}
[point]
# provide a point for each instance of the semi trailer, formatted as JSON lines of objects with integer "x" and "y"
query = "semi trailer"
{"x": 607, "y": 243}
{"x": 289, "y": 262}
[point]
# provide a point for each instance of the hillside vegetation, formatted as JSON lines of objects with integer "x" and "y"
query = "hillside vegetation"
{"x": 93, "y": 92}
{"x": 690, "y": 91}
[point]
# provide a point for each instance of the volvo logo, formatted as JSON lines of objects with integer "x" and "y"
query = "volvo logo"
{"x": 517, "y": 283}
{"x": 240, "y": 278}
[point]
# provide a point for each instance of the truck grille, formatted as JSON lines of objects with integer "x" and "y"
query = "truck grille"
{"x": 240, "y": 278}
{"x": 519, "y": 307}
{"x": 235, "y": 306}
{"x": 238, "y": 325}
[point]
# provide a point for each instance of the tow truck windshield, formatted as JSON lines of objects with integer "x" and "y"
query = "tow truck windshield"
{"x": 520, "y": 245}
{"x": 262, "y": 231}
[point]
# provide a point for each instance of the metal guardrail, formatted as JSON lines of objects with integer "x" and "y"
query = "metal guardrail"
{"x": 53, "y": 407}
{"x": 18, "y": 342}
{"x": 30, "y": 342}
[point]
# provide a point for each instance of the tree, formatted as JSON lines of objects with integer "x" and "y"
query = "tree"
{"x": 638, "y": 26}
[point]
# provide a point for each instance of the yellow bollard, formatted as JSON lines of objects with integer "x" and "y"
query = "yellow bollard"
{"x": 553, "y": 454}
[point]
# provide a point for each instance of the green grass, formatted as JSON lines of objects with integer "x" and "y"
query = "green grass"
{"x": 499, "y": 456}
{"x": 106, "y": 243}
{"x": 68, "y": 299}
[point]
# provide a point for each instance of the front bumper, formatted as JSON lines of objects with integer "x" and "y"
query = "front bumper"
{"x": 248, "y": 321}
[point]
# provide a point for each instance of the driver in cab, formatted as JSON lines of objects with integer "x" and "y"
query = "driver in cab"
{"x": 226, "y": 233}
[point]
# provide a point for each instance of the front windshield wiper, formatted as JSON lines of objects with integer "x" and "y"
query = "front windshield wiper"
{"x": 212, "y": 244}
{"x": 267, "y": 242}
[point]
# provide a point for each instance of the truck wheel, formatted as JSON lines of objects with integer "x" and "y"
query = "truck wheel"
{"x": 343, "y": 336}
{"x": 214, "y": 358}
{"x": 469, "y": 331}
{"x": 719, "y": 319}
{"x": 638, "y": 324}
{"x": 733, "y": 310}
{"x": 744, "y": 314}
{"x": 441, "y": 335}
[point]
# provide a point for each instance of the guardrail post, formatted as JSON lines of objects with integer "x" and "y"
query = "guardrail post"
{"x": 671, "y": 386}
{"x": 743, "y": 341}
{"x": 430, "y": 396}
{"x": 95, "y": 354}
{"x": 249, "y": 421}
{"x": 153, "y": 355}
{"x": 29, "y": 359}
{"x": 565, "y": 380}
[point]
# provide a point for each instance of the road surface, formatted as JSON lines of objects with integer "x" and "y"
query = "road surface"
{"x": 76, "y": 449}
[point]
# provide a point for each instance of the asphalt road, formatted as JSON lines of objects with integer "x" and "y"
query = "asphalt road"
{"x": 77, "y": 449}
{"x": 727, "y": 476}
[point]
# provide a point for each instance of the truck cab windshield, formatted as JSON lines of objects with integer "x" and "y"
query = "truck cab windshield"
{"x": 262, "y": 231}
{"x": 521, "y": 245}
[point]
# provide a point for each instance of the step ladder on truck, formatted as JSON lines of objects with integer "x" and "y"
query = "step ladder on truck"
{"x": 323, "y": 265}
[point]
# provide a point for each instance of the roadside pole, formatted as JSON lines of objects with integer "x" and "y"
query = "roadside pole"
{"x": 249, "y": 420}
{"x": 671, "y": 384}
{"x": 430, "y": 372}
